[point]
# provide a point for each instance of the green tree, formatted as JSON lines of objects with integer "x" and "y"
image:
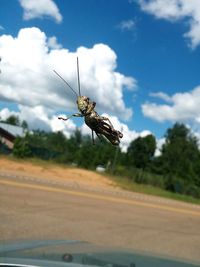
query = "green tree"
{"x": 21, "y": 148}
{"x": 37, "y": 138}
{"x": 47, "y": 145}
{"x": 85, "y": 153}
{"x": 56, "y": 141}
{"x": 141, "y": 151}
{"x": 73, "y": 145}
{"x": 24, "y": 125}
{"x": 104, "y": 153}
{"x": 180, "y": 154}
{"x": 14, "y": 120}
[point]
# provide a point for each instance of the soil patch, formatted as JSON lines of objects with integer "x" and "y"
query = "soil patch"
{"x": 54, "y": 171}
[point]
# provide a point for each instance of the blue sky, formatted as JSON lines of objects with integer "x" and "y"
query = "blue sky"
{"x": 155, "y": 42}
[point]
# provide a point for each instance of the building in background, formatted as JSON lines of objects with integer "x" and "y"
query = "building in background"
{"x": 9, "y": 132}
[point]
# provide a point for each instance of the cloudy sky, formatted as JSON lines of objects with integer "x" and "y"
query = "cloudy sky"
{"x": 139, "y": 60}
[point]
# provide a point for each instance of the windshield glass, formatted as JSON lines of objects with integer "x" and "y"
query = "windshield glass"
{"x": 83, "y": 253}
{"x": 100, "y": 133}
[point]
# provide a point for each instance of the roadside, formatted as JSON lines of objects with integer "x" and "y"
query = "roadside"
{"x": 50, "y": 173}
{"x": 47, "y": 170}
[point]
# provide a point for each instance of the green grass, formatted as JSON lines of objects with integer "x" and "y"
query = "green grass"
{"x": 129, "y": 185}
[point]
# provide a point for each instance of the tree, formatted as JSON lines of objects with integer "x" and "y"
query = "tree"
{"x": 24, "y": 125}
{"x": 104, "y": 153}
{"x": 14, "y": 120}
{"x": 85, "y": 153}
{"x": 141, "y": 151}
{"x": 72, "y": 146}
{"x": 21, "y": 148}
{"x": 180, "y": 154}
{"x": 56, "y": 141}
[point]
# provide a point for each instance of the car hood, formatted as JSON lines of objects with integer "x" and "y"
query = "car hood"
{"x": 77, "y": 253}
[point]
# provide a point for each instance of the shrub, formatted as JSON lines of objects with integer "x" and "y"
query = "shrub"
{"x": 21, "y": 148}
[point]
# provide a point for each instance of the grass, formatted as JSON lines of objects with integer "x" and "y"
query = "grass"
{"x": 129, "y": 185}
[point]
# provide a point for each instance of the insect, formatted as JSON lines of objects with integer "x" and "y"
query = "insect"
{"x": 102, "y": 126}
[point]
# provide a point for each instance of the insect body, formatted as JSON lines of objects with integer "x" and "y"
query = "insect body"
{"x": 98, "y": 124}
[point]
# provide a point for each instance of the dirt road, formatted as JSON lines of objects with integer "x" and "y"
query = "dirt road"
{"x": 53, "y": 207}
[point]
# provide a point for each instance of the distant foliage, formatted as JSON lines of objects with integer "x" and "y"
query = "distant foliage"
{"x": 24, "y": 125}
{"x": 141, "y": 151}
{"x": 180, "y": 157}
{"x": 177, "y": 168}
{"x": 179, "y": 162}
{"x": 21, "y": 148}
{"x": 15, "y": 120}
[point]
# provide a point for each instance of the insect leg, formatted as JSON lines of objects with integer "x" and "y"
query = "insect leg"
{"x": 73, "y": 115}
{"x": 93, "y": 137}
{"x": 106, "y": 119}
{"x": 61, "y": 118}
{"x": 99, "y": 136}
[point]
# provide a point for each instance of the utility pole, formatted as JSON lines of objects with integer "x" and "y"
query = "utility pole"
{"x": 115, "y": 160}
{"x": 115, "y": 157}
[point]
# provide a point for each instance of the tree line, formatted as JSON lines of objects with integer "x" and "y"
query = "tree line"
{"x": 177, "y": 168}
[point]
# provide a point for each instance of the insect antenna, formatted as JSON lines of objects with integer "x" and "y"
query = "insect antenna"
{"x": 79, "y": 86}
{"x": 66, "y": 82}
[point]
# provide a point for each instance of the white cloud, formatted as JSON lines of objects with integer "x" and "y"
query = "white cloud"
{"x": 5, "y": 113}
{"x": 28, "y": 80}
{"x": 52, "y": 43}
{"x": 159, "y": 143}
{"x": 67, "y": 128}
{"x": 127, "y": 25}
{"x": 38, "y": 118}
{"x": 39, "y": 9}
{"x": 197, "y": 135}
{"x": 176, "y": 10}
{"x": 162, "y": 96}
{"x": 185, "y": 107}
